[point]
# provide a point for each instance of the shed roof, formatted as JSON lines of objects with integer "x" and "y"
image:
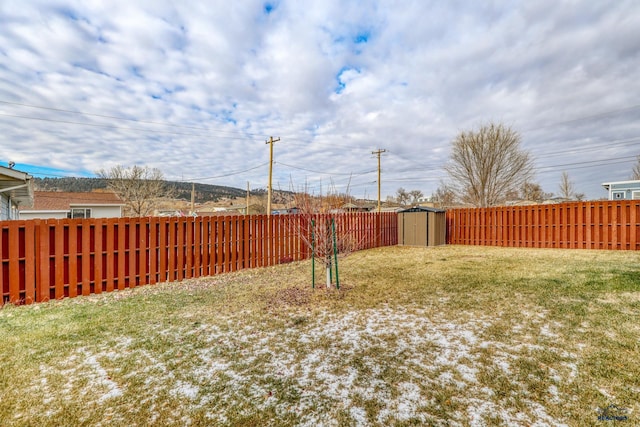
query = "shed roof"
{"x": 422, "y": 209}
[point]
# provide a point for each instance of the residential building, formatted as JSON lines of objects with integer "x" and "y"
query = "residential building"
{"x": 16, "y": 190}
{"x": 623, "y": 190}
{"x": 59, "y": 204}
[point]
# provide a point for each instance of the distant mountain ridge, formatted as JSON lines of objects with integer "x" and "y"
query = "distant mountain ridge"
{"x": 203, "y": 192}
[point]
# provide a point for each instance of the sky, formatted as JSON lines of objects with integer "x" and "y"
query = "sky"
{"x": 196, "y": 89}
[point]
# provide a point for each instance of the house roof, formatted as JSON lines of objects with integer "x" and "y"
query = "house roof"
{"x": 63, "y": 201}
{"x": 18, "y": 185}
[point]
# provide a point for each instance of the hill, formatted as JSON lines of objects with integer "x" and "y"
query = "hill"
{"x": 203, "y": 192}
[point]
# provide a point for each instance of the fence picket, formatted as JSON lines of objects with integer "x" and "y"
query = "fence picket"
{"x": 14, "y": 263}
{"x": 72, "y": 255}
{"x": 30, "y": 263}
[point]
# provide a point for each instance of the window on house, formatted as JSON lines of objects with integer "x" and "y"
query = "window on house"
{"x": 635, "y": 195}
{"x": 80, "y": 213}
{"x": 618, "y": 195}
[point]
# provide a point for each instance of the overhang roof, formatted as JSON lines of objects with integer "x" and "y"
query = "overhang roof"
{"x": 17, "y": 185}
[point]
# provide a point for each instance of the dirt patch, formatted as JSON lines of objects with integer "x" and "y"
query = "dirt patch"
{"x": 289, "y": 297}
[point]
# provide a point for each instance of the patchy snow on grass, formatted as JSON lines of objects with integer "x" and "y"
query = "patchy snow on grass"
{"x": 399, "y": 362}
{"x": 99, "y": 378}
{"x": 184, "y": 389}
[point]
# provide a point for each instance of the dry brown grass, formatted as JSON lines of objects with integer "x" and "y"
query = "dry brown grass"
{"x": 416, "y": 336}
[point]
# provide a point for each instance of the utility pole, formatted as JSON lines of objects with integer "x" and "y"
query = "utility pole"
{"x": 270, "y": 142}
{"x": 378, "y": 152}
{"x": 247, "y": 212}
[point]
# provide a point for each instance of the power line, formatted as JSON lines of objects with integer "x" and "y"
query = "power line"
{"x": 631, "y": 141}
{"x": 115, "y": 127}
{"x": 325, "y": 173}
{"x": 581, "y": 118}
{"x": 223, "y": 176}
{"x": 126, "y": 119}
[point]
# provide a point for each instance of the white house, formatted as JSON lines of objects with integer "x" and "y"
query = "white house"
{"x": 623, "y": 190}
{"x": 16, "y": 190}
{"x": 59, "y": 204}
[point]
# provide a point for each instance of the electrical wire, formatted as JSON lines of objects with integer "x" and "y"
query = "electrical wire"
{"x": 116, "y": 127}
{"x": 325, "y": 173}
{"x": 125, "y": 118}
{"x": 225, "y": 175}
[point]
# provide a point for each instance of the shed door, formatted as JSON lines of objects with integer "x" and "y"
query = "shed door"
{"x": 415, "y": 229}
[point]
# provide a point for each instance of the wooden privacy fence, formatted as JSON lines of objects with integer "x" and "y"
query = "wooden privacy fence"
{"x": 58, "y": 258}
{"x": 579, "y": 225}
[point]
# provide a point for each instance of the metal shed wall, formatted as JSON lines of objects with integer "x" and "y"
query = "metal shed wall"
{"x": 422, "y": 228}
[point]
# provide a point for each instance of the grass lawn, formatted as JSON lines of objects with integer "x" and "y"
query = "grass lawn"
{"x": 461, "y": 336}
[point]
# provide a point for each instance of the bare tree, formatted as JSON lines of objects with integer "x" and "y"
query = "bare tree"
{"x": 567, "y": 189}
{"x": 313, "y": 225}
{"x": 488, "y": 163}
{"x": 635, "y": 173}
{"x": 402, "y": 196}
{"x": 415, "y": 195}
{"x": 139, "y": 187}
{"x": 444, "y": 196}
{"x": 532, "y": 192}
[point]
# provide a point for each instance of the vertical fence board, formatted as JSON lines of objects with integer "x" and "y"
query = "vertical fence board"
{"x": 4, "y": 291}
{"x": 219, "y": 245}
{"x": 197, "y": 247}
{"x": 72, "y": 255}
{"x": 121, "y": 254}
{"x": 623, "y": 216}
{"x": 153, "y": 250}
{"x": 142, "y": 247}
{"x": 110, "y": 230}
{"x": 132, "y": 272}
{"x": 172, "y": 254}
{"x": 30, "y": 264}
{"x": 180, "y": 248}
{"x": 189, "y": 230}
{"x": 60, "y": 231}
{"x": 633, "y": 222}
{"x": 42, "y": 290}
{"x": 14, "y": 262}
{"x": 132, "y": 244}
{"x": 163, "y": 250}
{"x": 258, "y": 238}
{"x": 86, "y": 257}
{"x": 213, "y": 246}
{"x": 207, "y": 247}
{"x": 233, "y": 242}
{"x": 97, "y": 256}
{"x": 246, "y": 242}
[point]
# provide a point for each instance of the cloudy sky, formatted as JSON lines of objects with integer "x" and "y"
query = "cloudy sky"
{"x": 195, "y": 88}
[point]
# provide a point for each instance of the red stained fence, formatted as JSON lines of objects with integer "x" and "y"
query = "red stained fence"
{"x": 579, "y": 225}
{"x": 53, "y": 259}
